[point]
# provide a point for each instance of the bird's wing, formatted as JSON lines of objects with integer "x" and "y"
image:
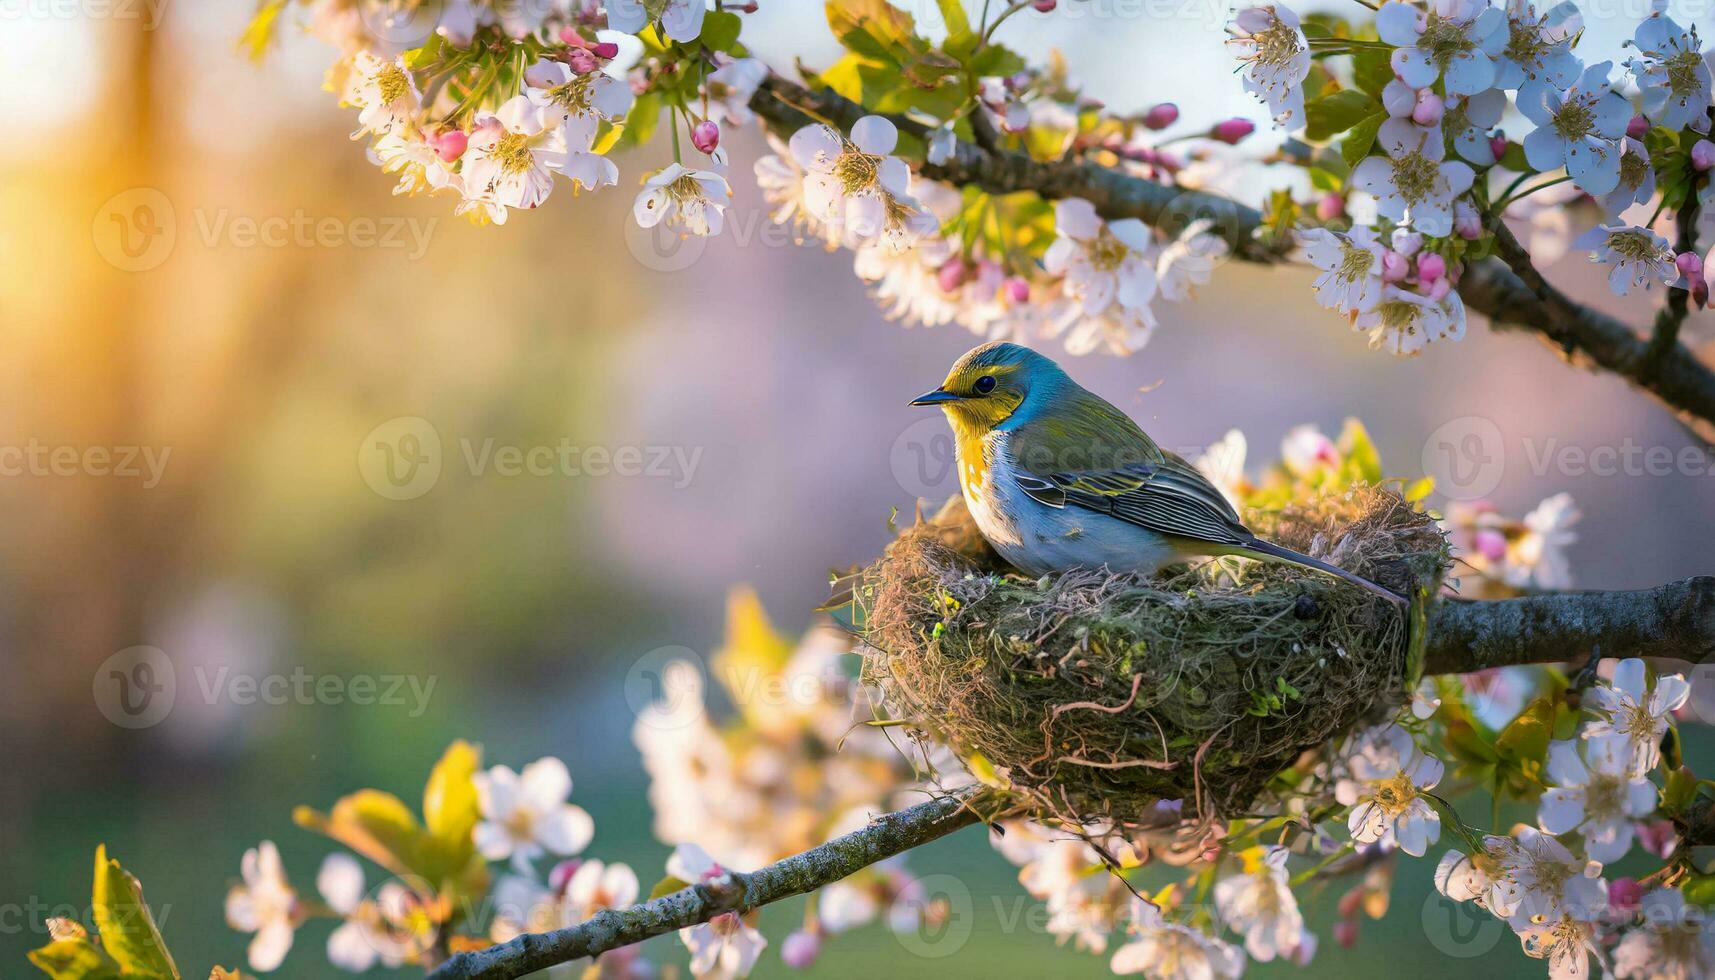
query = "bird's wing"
{"x": 1170, "y": 497}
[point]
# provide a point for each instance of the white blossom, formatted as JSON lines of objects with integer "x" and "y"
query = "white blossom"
{"x": 1640, "y": 257}
{"x": 1162, "y": 950}
{"x": 1403, "y": 322}
{"x": 385, "y": 93}
{"x": 1671, "y": 73}
{"x": 1277, "y": 59}
{"x": 1536, "y": 879}
{"x": 525, "y": 815}
{"x": 1676, "y": 941}
{"x": 265, "y": 904}
{"x": 1596, "y": 793}
{"x": 681, "y": 20}
{"x": 1351, "y": 265}
{"x": 857, "y": 187}
{"x": 1633, "y": 707}
{"x": 1413, "y": 180}
{"x": 1455, "y": 41}
{"x": 1259, "y": 905}
{"x": 1539, "y": 45}
{"x": 1577, "y": 128}
{"x": 693, "y": 201}
{"x": 1388, "y": 775}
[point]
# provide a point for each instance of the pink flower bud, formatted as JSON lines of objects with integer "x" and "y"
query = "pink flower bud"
{"x": 1346, "y": 933}
{"x": 1625, "y": 893}
{"x": 1658, "y": 837}
{"x": 1637, "y": 127}
{"x": 606, "y": 49}
{"x": 1017, "y": 289}
{"x": 1232, "y": 130}
{"x": 1490, "y": 543}
{"x": 1349, "y": 903}
{"x": 800, "y": 949}
{"x": 1498, "y": 146}
{"x": 1439, "y": 289}
{"x": 450, "y": 145}
{"x": 1394, "y": 266}
{"x": 1429, "y": 108}
{"x": 570, "y": 36}
{"x": 952, "y": 275}
{"x": 1703, "y": 154}
{"x": 706, "y": 135}
{"x": 1044, "y": 6}
{"x": 1467, "y": 223}
{"x": 561, "y": 875}
{"x": 1161, "y": 116}
{"x": 581, "y": 61}
{"x": 1331, "y": 206}
{"x": 1430, "y": 267}
{"x": 1690, "y": 266}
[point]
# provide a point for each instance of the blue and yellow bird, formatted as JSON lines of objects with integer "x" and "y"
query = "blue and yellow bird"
{"x": 1058, "y": 478}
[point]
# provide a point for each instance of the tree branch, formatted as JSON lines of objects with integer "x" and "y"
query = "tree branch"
{"x": 1674, "y": 621}
{"x": 1511, "y": 293}
{"x": 887, "y": 835}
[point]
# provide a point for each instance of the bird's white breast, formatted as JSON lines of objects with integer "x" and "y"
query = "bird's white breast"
{"x": 1038, "y": 538}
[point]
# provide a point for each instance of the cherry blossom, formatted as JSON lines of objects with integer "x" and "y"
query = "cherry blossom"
{"x": 385, "y": 93}
{"x": 1633, "y": 707}
{"x": 1456, "y": 42}
{"x": 726, "y": 947}
{"x": 1413, "y": 180}
{"x": 858, "y": 187}
{"x": 1640, "y": 257}
{"x": 1351, "y": 265}
{"x": 1577, "y": 128}
{"x": 693, "y": 201}
{"x": 1536, "y": 879}
{"x": 526, "y": 814}
{"x": 1403, "y": 322}
{"x": 681, "y": 20}
{"x": 1388, "y": 776}
{"x": 1539, "y": 45}
{"x": 1596, "y": 793}
{"x": 264, "y": 904}
{"x": 1276, "y": 57}
{"x": 1674, "y": 942}
{"x": 1162, "y": 950}
{"x": 1671, "y": 73}
{"x": 1260, "y": 906}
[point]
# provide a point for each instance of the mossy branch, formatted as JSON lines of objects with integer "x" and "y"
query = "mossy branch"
{"x": 893, "y": 833}
{"x": 1508, "y": 290}
{"x": 1675, "y": 621}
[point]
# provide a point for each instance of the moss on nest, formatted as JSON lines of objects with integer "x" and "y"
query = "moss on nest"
{"x": 1095, "y": 695}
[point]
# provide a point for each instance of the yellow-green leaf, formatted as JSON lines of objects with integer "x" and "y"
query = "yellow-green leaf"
{"x": 376, "y": 825}
{"x": 74, "y": 959}
{"x": 1526, "y": 738}
{"x": 450, "y": 813}
{"x": 123, "y": 923}
{"x": 1361, "y": 461}
{"x": 667, "y": 886}
{"x": 259, "y": 33}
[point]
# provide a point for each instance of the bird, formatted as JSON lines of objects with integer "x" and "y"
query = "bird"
{"x": 1057, "y": 477}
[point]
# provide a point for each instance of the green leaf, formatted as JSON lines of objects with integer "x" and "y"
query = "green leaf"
{"x": 75, "y": 959}
{"x": 1512, "y": 158}
{"x": 376, "y": 825}
{"x": 642, "y": 119}
{"x": 1360, "y": 460}
{"x": 874, "y": 28}
{"x": 667, "y": 886}
{"x": 721, "y": 29}
{"x": 1361, "y": 138}
{"x": 1372, "y": 70}
{"x": 960, "y": 37}
{"x": 1337, "y": 113}
{"x": 996, "y": 60}
{"x": 1524, "y": 742}
{"x": 450, "y": 812}
{"x": 926, "y": 70}
{"x": 1700, "y": 890}
{"x": 123, "y": 922}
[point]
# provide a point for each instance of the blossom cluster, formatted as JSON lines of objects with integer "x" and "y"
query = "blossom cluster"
{"x": 1422, "y": 171}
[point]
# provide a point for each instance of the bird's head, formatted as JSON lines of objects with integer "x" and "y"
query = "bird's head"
{"x": 988, "y": 384}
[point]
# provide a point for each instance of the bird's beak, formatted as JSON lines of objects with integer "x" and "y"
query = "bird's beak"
{"x": 940, "y": 396}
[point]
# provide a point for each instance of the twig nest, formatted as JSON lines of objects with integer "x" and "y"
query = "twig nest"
{"x": 1097, "y": 695}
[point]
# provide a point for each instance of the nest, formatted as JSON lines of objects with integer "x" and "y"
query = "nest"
{"x": 1095, "y": 696}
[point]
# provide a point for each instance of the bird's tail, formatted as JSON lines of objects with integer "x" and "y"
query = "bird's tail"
{"x": 1259, "y": 548}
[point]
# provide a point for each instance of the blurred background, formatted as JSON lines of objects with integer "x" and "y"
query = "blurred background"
{"x": 247, "y": 522}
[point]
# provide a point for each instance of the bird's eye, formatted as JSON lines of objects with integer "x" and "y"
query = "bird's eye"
{"x": 985, "y": 384}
